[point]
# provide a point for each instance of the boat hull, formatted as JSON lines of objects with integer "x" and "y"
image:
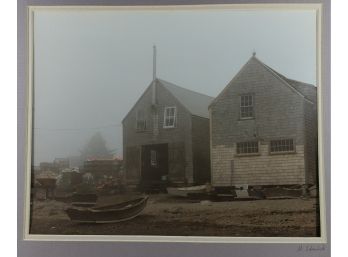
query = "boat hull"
{"x": 108, "y": 214}
{"x": 185, "y": 191}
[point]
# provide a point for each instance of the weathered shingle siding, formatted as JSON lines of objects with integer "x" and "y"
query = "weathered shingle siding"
{"x": 278, "y": 115}
{"x": 178, "y": 138}
{"x": 311, "y": 143}
{"x": 201, "y": 149}
{"x": 132, "y": 162}
{"x": 264, "y": 169}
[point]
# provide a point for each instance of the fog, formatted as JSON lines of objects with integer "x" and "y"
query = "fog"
{"x": 91, "y": 66}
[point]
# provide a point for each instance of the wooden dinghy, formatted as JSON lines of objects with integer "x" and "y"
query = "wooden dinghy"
{"x": 108, "y": 214}
{"x": 185, "y": 191}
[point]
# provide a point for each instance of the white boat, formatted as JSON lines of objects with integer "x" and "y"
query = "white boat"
{"x": 184, "y": 191}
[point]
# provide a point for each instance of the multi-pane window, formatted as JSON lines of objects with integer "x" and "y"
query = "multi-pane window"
{"x": 283, "y": 145}
{"x": 153, "y": 158}
{"x": 140, "y": 120}
{"x": 246, "y": 106}
{"x": 169, "y": 117}
{"x": 247, "y": 147}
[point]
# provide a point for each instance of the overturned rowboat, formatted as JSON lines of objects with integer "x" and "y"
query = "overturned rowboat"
{"x": 108, "y": 214}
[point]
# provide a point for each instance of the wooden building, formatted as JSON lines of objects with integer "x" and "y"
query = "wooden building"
{"x": 56, "y": 166}
{"x": 102, "y": 169}
{"x": 264, "y": 130}
{"x": 166, "y": 137}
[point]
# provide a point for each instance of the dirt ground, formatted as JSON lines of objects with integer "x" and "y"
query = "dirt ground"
{"x": 169, "y": 216}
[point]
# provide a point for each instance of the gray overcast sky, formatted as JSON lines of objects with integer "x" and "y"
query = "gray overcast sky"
{"x": 91, "y": 66}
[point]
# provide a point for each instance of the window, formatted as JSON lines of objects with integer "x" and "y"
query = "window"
{"x": 283, "y": 145}
{"x": 153, "y": 158}
{"x": 169, "y": 117}
{"x": 140, "y": 120}
{"x": 247, "y": 147}
{"x": 246, "y": 106}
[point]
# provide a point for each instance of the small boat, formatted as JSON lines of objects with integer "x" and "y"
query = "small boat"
{"x": 186, "y": 191}
{"x": 108, "y": 214}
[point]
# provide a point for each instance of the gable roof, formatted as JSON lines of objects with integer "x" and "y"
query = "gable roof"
{"x": 309, "y": 91}
{"x": 305, "y": 90}
{"x": 196, "y": 103}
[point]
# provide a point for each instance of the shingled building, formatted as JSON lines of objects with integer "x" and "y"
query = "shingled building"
{"x": 264, "y": 130}
{"x": 166, "y": 137}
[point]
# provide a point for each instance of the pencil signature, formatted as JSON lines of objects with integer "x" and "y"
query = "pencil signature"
{"x": 310, "y": 248}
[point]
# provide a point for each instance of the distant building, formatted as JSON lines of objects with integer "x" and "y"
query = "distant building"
{"x": 61, "y": 163}
{"x": 56, "y": 166}
{"x": 166, "y": 137}
{"x": 102, "y": 169}
{"x": 45, "y": 166}
{"x": 264, "y": 130}
{"x": 75, "y": 161}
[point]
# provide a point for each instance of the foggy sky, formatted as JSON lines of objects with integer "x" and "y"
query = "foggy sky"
{"x": 92, "y": 66}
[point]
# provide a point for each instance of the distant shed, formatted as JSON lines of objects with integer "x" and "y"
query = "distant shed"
{"x": 102, "y": 168}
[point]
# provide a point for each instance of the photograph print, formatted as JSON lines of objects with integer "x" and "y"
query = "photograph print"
{"x": 174, "y": 121}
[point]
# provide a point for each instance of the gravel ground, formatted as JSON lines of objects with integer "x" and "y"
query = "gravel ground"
{"x": 169, "y": 216}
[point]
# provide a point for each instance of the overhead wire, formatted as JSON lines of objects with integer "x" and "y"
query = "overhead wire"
{"x": 78, "y": 129}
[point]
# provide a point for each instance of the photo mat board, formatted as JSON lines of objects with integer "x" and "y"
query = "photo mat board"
{"x": 297, "y": 242}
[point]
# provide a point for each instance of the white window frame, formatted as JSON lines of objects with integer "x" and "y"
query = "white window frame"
{"x": 143, "y": 120}
{"x": 166, "y": 117}
{"x": 281, "y": 144}
{"x": 247, "y": 145}
{"x": 246, "y": 106}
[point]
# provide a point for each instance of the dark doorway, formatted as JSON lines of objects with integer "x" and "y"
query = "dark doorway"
{"x": 154, "y": 166}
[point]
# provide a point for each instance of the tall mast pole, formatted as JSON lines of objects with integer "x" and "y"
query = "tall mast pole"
{"x": 154, "y": 77}
{"x": 154, "y": 62}
{"x": 154, "y": 100}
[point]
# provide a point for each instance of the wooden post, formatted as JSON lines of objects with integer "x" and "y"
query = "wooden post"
{"x": 154, "y": 63}
{"x": 154, "y": 77}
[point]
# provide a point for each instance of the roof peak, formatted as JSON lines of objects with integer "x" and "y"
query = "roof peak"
{"x": 172, "y": 84}
{"x": 286, "y": 81}
{"x": 290, "y": 82}
{"x": 281, "y": 75}
{"x": 194, "y": 102}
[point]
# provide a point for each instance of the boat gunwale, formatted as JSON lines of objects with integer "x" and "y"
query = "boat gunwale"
{"x": 193, "y": 188}
{"x": 97, "y": 210}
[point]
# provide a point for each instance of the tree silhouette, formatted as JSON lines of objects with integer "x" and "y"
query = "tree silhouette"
{"x": 96, "y": 148}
